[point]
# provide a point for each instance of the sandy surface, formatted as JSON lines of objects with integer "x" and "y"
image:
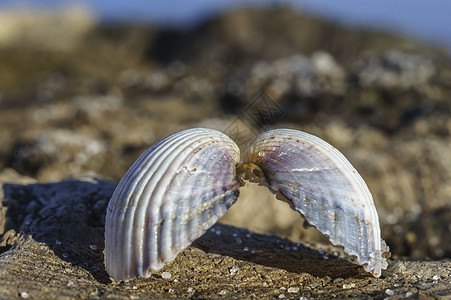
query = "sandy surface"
{"x": 55, "y": 246}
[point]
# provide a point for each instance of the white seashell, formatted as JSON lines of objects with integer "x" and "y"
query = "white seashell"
{"x": 183, "y": 184}
{"x": 170, "y": 196}
{"x": 322, "y": 185}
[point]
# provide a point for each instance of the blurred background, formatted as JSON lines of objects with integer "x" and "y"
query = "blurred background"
{"x": 89, "y": 85}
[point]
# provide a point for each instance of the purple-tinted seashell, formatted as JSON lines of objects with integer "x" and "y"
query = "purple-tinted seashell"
{"x": 322, "y": 185}
{"x": 169, "y": 197}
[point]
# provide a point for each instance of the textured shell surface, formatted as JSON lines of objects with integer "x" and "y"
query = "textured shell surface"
{"x": 322, "y": 185}
{"x": 183, "y": 184}
{"x": 170, "y": 196}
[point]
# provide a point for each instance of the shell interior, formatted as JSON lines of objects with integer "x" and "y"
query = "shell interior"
{"x": 322, "y": 185}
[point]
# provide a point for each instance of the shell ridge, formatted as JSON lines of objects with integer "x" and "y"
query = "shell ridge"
{"x": 139, "y": 178}
{"x": 167, "y": 228}
{"x": 140, "y": 204}
{"x": 152, "y": 200}
{"x": 118, "y": 210}
{"x": 146, "y": 200}
{"x": 143, "y": 198}
{"x": 123, "y": 192}
{"x": 180, "y": 164}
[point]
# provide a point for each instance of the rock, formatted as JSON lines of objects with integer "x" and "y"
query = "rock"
{"x": 58, "y": 147}
{"x": 395, "y": 69}
{"x": 46, "y": 252}
{"x": 59, "y": 30}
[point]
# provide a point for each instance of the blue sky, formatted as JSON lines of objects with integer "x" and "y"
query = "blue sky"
{"x": 427, "y": 20}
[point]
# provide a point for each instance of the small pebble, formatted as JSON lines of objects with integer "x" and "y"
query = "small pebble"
{"x": 58, "y": 242}
{"x": 409, "y": 293}
{"x": 70, "y": 283}
{"x": 191, "y": 290}
{"x": 65, "y": 255}
{"x": 293, "y": 290}
{"x": 223, "y": 292}
{"x": 389, "y": 292}
{"x": 233, "y": 270}
{"x": 396, "y": 285}
{"x": 176, "y": 280}
{"x": 314, "y": 285}
{"x": 93, "y": 247}
{"x": 166, "y": 275}
{"x": 282, "y": 288}
{"x": 281, "y": 296}
{"x": 245, "y": 249}
{"x": 348, "y": 286}
{"x": 171, "y": 290}
{"x": 248, "y": 235}
{"x": 436, "y": 277}
{"x": 234, "y": 234}
{"x": 24, "y": 295}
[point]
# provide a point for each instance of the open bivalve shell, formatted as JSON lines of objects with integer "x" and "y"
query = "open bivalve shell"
{"x": 183, "y": 184}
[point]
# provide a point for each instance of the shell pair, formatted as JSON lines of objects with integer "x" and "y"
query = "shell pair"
{"x": 184, "y": 183}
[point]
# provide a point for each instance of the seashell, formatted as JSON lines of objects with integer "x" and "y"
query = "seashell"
{"x": 322, "y": 185}
{"x": 169, "y": 197}
{"x": 183, "y": 184}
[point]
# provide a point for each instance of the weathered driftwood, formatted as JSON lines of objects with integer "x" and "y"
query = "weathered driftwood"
{"x": 51, "y": 246}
